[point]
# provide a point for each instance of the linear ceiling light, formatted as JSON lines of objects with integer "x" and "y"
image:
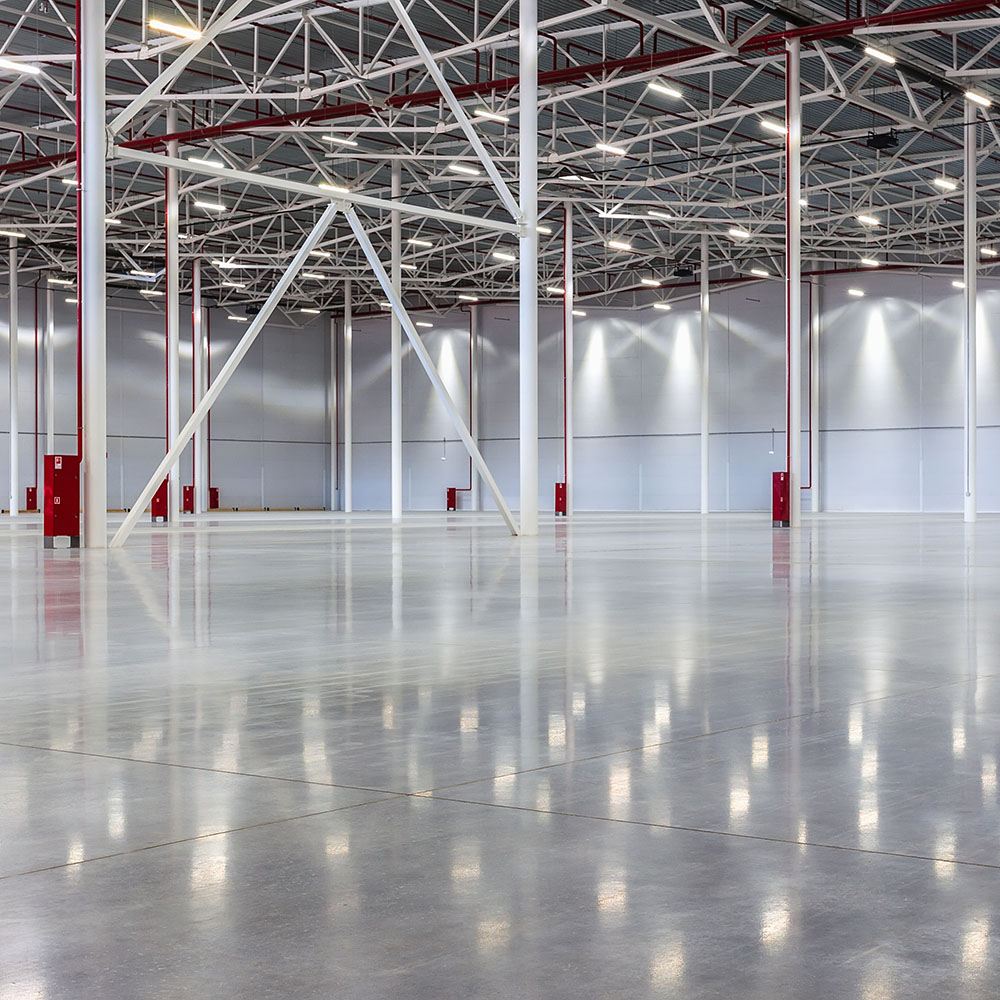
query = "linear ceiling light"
{"x": 19, "y": 67}
{"x": 16, "y": 236}
{"x": 881, "y": 56}
{"x": 661, "y": 88}
{"x": 545, "y": 230}
{"x": 424, "y": 325}
{"x": 109, "y": 221}
{"x": 958, "y": 284}
{"x": 652, "y": 282}
{"x": 339, "y": 188}
{"x": 237, "y": 319}
{"x": 555, "y": 290}
{"x": 579, "y": 312}
{"x": 211, "y": 206}
{"x": 772, "y": 126}
{"x": 461, "y": 168}
{"x": 662, "y": 306}
{"x": 980, "y": 99}
{"x": 619, "y": 245}
{"x": 870, "y": 262}
{"x": 500, "y": 255}
{"x": 68, "y": 181}
{"x": 655, "y": 214}
{"x": 415, "y": 241}
{"x": 945, "y": 184}
{"x": 492, "y": 116}
{"x": 226, "y": 265}
{"x": 856, "y": 293}
{"x": 151, "y": 292}
{"x": 868, "y": 220}
{"x": 989, "y": 252}
{"x": 341, "y": 139}
{"x": 468, "y": 298}
{"x": 180, "y": 30}
{"x": 61, "y": 281}
{"x": 320, "y": 253}
{"x": 71, "y": 301}
{"x": 315, "y": 275}
{"x": 139, "y": 273}
{"x": 760, "y": 272}
{"x": 611, "y": 150}
{"x": 311, "y": 312}
{"x": 739, "y": 234}
{"x": 205, "y": 162}
{"x": 406, "y": 266}
{"x": 233, "y": 284}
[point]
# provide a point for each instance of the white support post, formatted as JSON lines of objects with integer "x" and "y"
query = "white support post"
{"x": 970, "y": 506}
{"x": 222, "y": 379}
{"x": 199, "y": 368}
{"x": 815, "y": 327}
{"x": 348, "y": 399}
{"x": 794, "y": 279}
{"x": 528, "y": 281}
{"x": 93, "y": 278}
{"x": 705, "y": 372}
{"x": 173, "y": 324}
{"x": 420, "y": 350}
{"x": 475, "y": 499}
{"x": 334, "y": 397}
{"x": 569, "y": 293}
{"x": 396, "y": 357}
{"x": 50, "y": 372}
{"x": 12, "y": 373}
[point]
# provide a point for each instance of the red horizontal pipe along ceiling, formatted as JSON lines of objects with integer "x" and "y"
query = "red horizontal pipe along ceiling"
{"x": 834, "y": 29}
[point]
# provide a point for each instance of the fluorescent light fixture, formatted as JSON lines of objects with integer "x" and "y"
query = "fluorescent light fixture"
{"x": 555, "y": 290}
{"x": 804, "y": 202}
{"x": 415, "y": 241}
{"x": 68, "y": 181}
{"x": 61, "y": 281}
{"x": 340, "y": 140}
{"x": 989, "y": 252}
{"x": 612, "y": 150}
{"x": 980, "y": 99}
{"x": 180, "y": 30}
{"x": 870, "y": 262}
{"x": 856, "y": 293}
{"x": 500, "y": 255}
{"x": 772, "y": 126}
{"x": 868, "y": 220}
{"x": 233, "y": 284}
{"x": 461, "y": 168}
{"x": 320, "y": 253}
{"x": 545, "y": 230}
{"x": 16, "y": 236}
{"x": 760, "y": 272}
{"x": 619, "y": 245}
{"x": 652, "y": 282}
{"x": 662, "y": 88}
{"x": 570, "y": 177}
{"x": 204, "y": 162}
{"x": 19, "y": 67}
{"x": 151, "y": 292}
{"x": 211, "y": 206}
{"x": 71, "y": 301}
{"x": 110, "y": 221}
{"x": 662, "y": 306}
{"x": 958, "y": 284}
{"x": 385, "y": 304}
{"x": 310, "y": 312}
{"x": 881, "y": 56}
{"x": 492, "y": 116}
{"x": 945, "y": 184}
{"x": 184, "y": 236}
{"x": 237, "y": 319}
{"x": 226, "y": 265}
{"x": 468, "y": 298}
{"x": 579, "y": 312}
{"x": 315, "y": 275}
{"x": 656, "y": 214}
{"x": 739, "y": 234}
{"x": 424, "y": 325}
{"x": 406, "y": 266}
{"x": 139, "y": 273}
{"x": 339, "y": 188}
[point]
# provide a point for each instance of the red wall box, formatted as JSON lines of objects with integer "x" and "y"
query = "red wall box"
{"x": 62, "y": 500}
{"x": 213, "y": 498}
{"x": 31, "y": 498}
{"x": 780, "y": 499}
{"x": 187, "y": 500}
{"x": 452, "y": 498}
{"x": 158, "y": 507}
{"x": 561, "y": 499}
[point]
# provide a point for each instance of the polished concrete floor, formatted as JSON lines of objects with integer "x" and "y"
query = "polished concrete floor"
{"x": 640, "y": 756}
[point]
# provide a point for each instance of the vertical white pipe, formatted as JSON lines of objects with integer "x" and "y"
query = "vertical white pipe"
{"x": 528, "y": 284}
{"x": 12, "y": 328}
{"x": 474, "y": 361}
{"x": 704, "y": 394}
{"x": 50, "y": 373}
{"x": 396, "y": 350}
{"x": 173, "y": 325}
{"x": 794, "y": 279}
{"x": 971, "y": 306}
{"x": 348, "y": 400}
{"x": 814, "y": 390}
{"x": 334, "y": 410}
{"x": 198, "y": 369}
{"x": 569, "y": 286}
{"x": 93, "y": 280}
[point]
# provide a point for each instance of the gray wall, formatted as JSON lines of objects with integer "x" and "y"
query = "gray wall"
{"x": 890, "y": 405}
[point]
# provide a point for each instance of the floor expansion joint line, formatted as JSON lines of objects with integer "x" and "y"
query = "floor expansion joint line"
{"x": 716, "y": 833}
{"x": 203, "y": 836}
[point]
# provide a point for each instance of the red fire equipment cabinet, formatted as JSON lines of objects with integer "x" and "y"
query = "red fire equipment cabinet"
{"x": 213, "y": 498}
{"x": 780, "y": 499}
{"x": 158, "y": 508}
{"x": 452, "y": 498}
{"x": 561, "y": 499}
{"x": 62, "y": 500}
{"x": 187, "y": 500}
{"x": 31, "y": 499}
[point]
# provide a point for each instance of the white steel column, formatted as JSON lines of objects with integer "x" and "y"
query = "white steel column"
{"x": 173, "y": 325}
{"x": 396, "y": 351}
{"x": 705, "y": 398}
{"x": 348, "y": 400}
{"x": 815, "y": 328}
{"x": 474, "y": 356}
{"x": 793, "y": 267}
{"x": 12, "y": 379}
{"x": 50, "y": 373}
{"x": 528, "y": 282}
{"x": 971, "y": 306}
{"x": 569, "y": 288}
{"x": 334, "y": 410}
{"x": 93, "y": 278}
{"x": 198, "y": 372}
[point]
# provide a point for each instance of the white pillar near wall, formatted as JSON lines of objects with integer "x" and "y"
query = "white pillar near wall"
{"x": 199, "y": 368}
{"x": 704, "y": 395}
{"x": 12, "y": 373}
{"x": 50, "y": 373}
{"x": 93, "y": 276}
{"x": 348, "y": 377}
{"x": 396, "y": 356}
{"x": 334, "y": 409}
{"x": 475, "y": 481}
{"x": 815, "y": 327}
{"x": 173, "y": 325}
{"x": 970, "y": 506}
{"x": 528, "y": 278}
{"x": 793, "y": 278}
{"x": 569, "y": 295}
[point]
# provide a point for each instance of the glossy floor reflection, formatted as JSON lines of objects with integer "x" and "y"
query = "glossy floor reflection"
{"x": 640, "y": 756}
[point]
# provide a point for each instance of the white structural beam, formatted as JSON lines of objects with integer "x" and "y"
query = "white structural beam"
{"x": 93, "y": 278}
{"x": 315, "y": 191}
{"x": 50, "y": 372}
{"x": 396, "y": 357}
{"x": 232, "y": 363}
{"x": 199, "y": 372}
{"x": 12, "y": 379}
{"x": 793, "y": 278}
{"x": 428, "y": 365}
{"x": 528, "y": 279}
{"x": 456, "y": 108}
{"x": 971, "y": 421}
{"x": 173, "y": 304}
{"x": 475, "y": 499}
{"x": 704, "y": 394}
{"x": 815, "y": 330}
{"x": 348, "y": 399}
{"x": 334, "y": 410}
{"x": 569, "y": 298}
